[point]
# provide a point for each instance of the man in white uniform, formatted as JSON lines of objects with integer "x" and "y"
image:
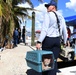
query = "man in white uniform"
{"x": 50, "y": 34}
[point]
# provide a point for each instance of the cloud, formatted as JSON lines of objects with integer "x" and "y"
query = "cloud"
{"x": 26, "y": 5}
{"x": 60, "y": 11}
{"x": 41, "y": 7}
{"x": 38, "y": 18}
{"x": 71, "y": 5}
{"x": 39, "y": 14}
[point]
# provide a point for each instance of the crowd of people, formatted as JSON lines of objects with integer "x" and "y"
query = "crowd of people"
{"x": 17, "y": 37}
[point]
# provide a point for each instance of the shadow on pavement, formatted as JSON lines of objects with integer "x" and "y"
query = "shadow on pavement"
{"x": 66, "y": 64}
{"x": 32, "y": 72}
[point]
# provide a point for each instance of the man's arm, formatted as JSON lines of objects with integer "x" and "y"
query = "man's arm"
{"x": 64, "y": 31}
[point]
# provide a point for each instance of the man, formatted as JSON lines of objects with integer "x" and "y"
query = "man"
{"x": 15, "y": 37}
{"x": 50, "y": 33}
{"x": 74, "y": 34}
{"x": 23, "y": 34}
{"x": 69, "y": 34}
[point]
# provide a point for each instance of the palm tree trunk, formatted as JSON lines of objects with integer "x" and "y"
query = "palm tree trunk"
{"x": 0, "y": 30}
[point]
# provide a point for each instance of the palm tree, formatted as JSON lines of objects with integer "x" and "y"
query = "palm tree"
{"x": 7, "y": 22}
{"x": 8, "y": 15}
{"x": 0, "y": 23}
{"x": 4, "y": 16}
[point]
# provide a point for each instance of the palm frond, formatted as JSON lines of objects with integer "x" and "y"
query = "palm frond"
{"x": 31, "y": 4}
{"x": 25, "y": 9}
{"x": 5, "y": 10}
{"x": 0, "y": 10}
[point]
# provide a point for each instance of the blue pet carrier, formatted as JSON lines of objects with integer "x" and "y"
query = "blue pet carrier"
{"x": 40, "y": 60}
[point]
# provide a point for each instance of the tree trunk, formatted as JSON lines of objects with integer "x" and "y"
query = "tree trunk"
{"x": 11, "y": 29}
{"x": 33, "y": 29}
{"x": 0, "y": 31}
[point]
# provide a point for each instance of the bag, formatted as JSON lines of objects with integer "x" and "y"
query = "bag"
{"x": 61, "y": 40}
{"x": 57, "y": 21}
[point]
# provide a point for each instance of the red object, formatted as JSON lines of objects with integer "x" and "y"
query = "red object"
{"x": 38, "y": 31}
{"x": 69, "y": 32}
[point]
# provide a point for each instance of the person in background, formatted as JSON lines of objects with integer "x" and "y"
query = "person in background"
{"x": 74, "y": 34}
{"x": 19, "y": 36}
{"x": 50, "y": 35}
{"x": 23, "y": 34}
{"x": 69, "y": 34}
{"x": 15, "y": 37}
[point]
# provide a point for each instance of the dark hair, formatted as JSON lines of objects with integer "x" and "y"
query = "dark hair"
{"x": 55, "y": 8}
{"x": 48, "y": 56}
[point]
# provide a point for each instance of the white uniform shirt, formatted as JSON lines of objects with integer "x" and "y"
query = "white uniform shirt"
{"x": 50, "y": 27}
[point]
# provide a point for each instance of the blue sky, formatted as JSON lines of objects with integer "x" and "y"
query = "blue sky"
{"x": 61, "y": 6}
{"x": 65, "y": 7}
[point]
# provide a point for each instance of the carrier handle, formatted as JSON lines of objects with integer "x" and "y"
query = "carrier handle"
{"x": 31, "y": 47}
{"x": 38, "y": 49}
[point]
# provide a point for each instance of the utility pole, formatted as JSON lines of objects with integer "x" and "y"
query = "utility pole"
{"x": 33, "y": 29}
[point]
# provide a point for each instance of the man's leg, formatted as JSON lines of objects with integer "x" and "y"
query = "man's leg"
{"x": 54, "y": 46}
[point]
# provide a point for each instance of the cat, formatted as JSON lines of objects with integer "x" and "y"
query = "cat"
{"x": 45, "y": 64}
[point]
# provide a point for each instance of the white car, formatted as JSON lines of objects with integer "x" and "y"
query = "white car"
{"x": 67, "y": 53}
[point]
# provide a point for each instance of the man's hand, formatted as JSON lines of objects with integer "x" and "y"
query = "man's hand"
{"x": 38, "y": 46}
{"x": 65, "y": 45}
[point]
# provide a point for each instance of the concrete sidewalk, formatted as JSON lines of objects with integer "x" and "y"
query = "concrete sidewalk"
{"x": 12, "y": 61}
